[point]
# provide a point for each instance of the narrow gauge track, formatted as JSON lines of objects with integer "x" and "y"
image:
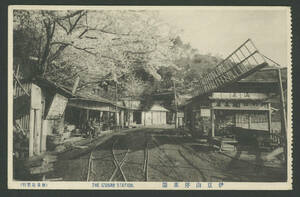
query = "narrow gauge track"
{"x": 146, "y": 158}
{"x": 118, "y": 164}
{"x": 205, "y": 172}
{"x": 119, "y": 159}
{"x": 90, "y": 170}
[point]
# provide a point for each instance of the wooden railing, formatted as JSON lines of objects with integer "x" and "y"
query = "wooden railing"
{"x": 276, "y": 138}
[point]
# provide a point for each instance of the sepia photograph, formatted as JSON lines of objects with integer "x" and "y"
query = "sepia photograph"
{"x": 127, "y": 97}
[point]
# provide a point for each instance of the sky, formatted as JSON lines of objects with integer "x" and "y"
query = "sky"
{"x": 220, "y": 31}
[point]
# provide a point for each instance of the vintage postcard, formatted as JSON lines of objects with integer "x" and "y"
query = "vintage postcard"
{"x": 159, "y": 98}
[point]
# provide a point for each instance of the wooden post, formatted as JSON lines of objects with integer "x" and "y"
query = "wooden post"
{"x": 31, "y": 132}
{"x": 142, "y": 118}
{"x": 151, "y": 118}
{"x": 45, "y": 132}
{"x": 100, "y": 115}
{"x": 249, "y": 121}
{"x": 235, "y": 119}
{"x": 87, "y": 114}
{"x": 283, "y": 116}
{"x": 176, "y": 108}
{"x": 122, "y": 119}
{"x": 38, "y": 132}
{"x": 269, "y": 117}
{"x": 117, "y": 119}
{"x": 193, "y": 117}
{"x": 212, "y": 123}
{"x": 129, "y": 117}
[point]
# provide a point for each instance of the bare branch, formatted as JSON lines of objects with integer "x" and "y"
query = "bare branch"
{"x": 74, "y": 25}
{"x": 91, "y": 37}
{"x": 47, "y": 45}
{"x": 57, "y": 53}
{"x": 86, "y": 49}
{"x": 61, "y": 25}
{"x": 86, "y": 30}
{"x": 75, "y": 74}
{"x": 70, "y": 15}
{"x": 104, "y": 30}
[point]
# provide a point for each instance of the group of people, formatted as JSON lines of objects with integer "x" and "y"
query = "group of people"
{"x": 91, "y": 128}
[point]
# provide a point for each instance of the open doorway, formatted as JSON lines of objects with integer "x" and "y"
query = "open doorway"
{"x": 137, "y": 117}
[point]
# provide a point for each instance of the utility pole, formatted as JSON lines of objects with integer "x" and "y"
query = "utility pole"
{"x": 176, "y": 108}
{"x": 116, "y": 98}
{"x": 282, "y": 114}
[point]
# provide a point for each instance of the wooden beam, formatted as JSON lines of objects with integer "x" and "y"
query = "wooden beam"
{"x": 75, "y": 85}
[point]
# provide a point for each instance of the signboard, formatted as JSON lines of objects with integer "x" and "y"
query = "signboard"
{"x": 180, "y": 115}
{"x": 240, "y": 105}
{"x": 133, "y": 104}
{"x": 57, "y": 107}
{"x": 205, "y": 112}
{"x": 36, "y": 97}
{"x": 239, "y": 96}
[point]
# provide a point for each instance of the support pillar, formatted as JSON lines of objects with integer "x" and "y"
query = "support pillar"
{"x": 45, "y": 132}
{"x": 38, "y": 133}
{"x": 176, "y": 120}
{"x": 235, "y": 119}
{"x": 122, "y": 118}
{"x": 269, "y": 117}
{"x": 249, "y": 121}
{"x": 100, "y": 117}
{"x": 212, "y": 123}
{"x": 117, "y": 118}
{"x": 87, "y": 114}
{"x": 282, "y": 114}
{"x": 143, "y": 118}
{"x": 31, "y": 131}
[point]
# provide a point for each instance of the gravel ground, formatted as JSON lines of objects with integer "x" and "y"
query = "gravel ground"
{"x": 172, "y": 157}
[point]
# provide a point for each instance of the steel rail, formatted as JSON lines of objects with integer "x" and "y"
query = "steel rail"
{"x": 118, "y": 164}
{"x": 146, "y": 160}
{"x": 169, "y": 159}
{"x": 90, "y": 166}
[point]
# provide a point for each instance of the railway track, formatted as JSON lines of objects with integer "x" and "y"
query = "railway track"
{"x": 166, "y": 161}
{"x": 118, "y": 165}
{"x": 90, "y": 170}
{"x": 146, "y": 159}
{"x": 120, "y": 156}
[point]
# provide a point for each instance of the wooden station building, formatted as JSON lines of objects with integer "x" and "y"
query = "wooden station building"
{"x": 237, "y": 94}
{"x": 106, "y": 114}
{"x": 38, "y": 107}
{"x": 139, "y": 114}
{"x": 244, "y": 104}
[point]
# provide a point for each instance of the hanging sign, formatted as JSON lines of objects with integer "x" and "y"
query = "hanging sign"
{"x": 205, "y": 112}
{"x": 57, "y": 107}
{"x": 180, "y": 115}
{"x": 36, "y": 97}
